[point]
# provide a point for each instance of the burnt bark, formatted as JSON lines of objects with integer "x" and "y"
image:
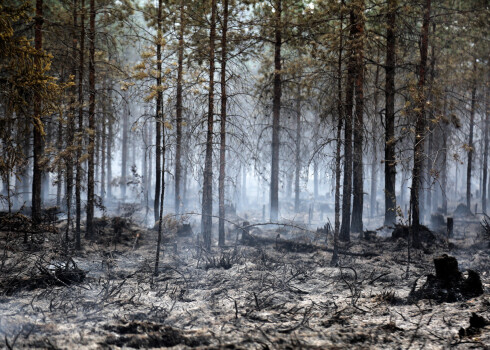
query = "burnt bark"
{"x": 338, "y": 146}
{"x": 276, "y": 113}
{"x": 158, "y": 117}
{"x": 38, "y": 127}
{"x": 358, "y": 183}
{"x": 471, "y": 146}
{"x": 207, "y": 196}
{"x": 485, "y": 152}
{"x": 222, "y": 150}
{"x": 91, "y": 124}
{"x": 179, "y": 108}
{"x": 297, "y": 161}
{"x": 390, "y": 141}
{"x": 78, "y": 178}
{"x": 418, "y": 153}
{"x": 349, "y": 95}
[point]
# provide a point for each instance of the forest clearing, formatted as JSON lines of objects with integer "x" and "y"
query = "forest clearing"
{"x": 244, "y": 174}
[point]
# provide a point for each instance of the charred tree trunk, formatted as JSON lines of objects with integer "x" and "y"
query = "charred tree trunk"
{"x": 59, "y": 178}
{"x": 374, "y": 163}
{"x": 431, "y": 129}
{"x": 178, "y": 129}
{"x": 70, "y": 125}
{"x": 38, "y": 126}
{"x": 339, "y": 139}
{"x": 110, "y": 137}
{"x": 158, "y": 116}
{"x": 91, "y": 124}
{"x": 124, "y": 150}
{"x": 390, "y": 140}
{"x": 315, "y": 180}
{"x": 485, "y": 152}
{"x": 444, "y": 159}
{"x": 418, "y": 153}
{"x": 470, "y": 140}
{"x": 207, "y": 195}
{"x": 78, "y": 179}
{"x": 222, "y": 150}
{"x": 349, "y": 95}
{"x": 358, "y": 181}
{"x": 276, "y": 113}
{"x": 297, "y": 161}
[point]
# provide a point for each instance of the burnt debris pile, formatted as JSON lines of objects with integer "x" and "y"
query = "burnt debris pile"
{"x": 477, "y": 322}
{"x": 449, "y": 284}
{"x": 43, "y": 273}
{"x": 425, "y": 235}
{"x": 462, "y": 211}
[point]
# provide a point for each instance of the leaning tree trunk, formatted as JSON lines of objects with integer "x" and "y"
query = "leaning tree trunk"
{"x": 38, "y": 125}
{"x": 276, "y": 114}
{"x": 178, "y": 129}
{"x": 470, "y": 140}
{"x": 91, "y": 124}
{"x": 358, "y": 188}
{"x": 390, "y": 140}
{"x": 207, "y": 191}
{"x": 418, "y": 153}
{"x": 222, "y": 149}
{"x": 349, "y": 95}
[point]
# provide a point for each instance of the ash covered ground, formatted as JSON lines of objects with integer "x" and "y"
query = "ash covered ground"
{"x": 274, "y": 292}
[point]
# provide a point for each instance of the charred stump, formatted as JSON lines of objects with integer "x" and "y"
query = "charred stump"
{"x": 448, "y": 285}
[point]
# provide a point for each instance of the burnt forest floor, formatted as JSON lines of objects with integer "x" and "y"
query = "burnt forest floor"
{"x": 265, "y": 296}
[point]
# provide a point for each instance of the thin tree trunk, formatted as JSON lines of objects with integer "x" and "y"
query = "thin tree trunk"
{"x": 349, "y": 95}
{"x": 70, "y": 125}
{"x": 431, "y": 131}
{"x": 207, "y": 195}
{"x": 178, "y": 132}
{"x": 110, "y": 137}
{"x": 222, "y": 150}
{"x": 158, "y": 135}
{"x": 418, "y": 154}
{"x": 124, "y": 150}
{"x": 470, "y": 141}
{"x": 91, "y": 124}
{"x": 390, "y": 140}
{"x": 358, "y": 171}
{"x": 37, "y": 130}
{"x": 485, "y": 152}
{"x": 59, "y": 146}
{"x": 78, "y": 179}
{"x": 103, "y": 151}
{"x": 374, "y": 163}
{"x": 297, "y": 161}
{"x": 444, "y": 160}
{"x": 340, "y": 119}
{"x": 276, "y": 113}
{"x": 160, "y": 211}
{"x": 315, "y": 180}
